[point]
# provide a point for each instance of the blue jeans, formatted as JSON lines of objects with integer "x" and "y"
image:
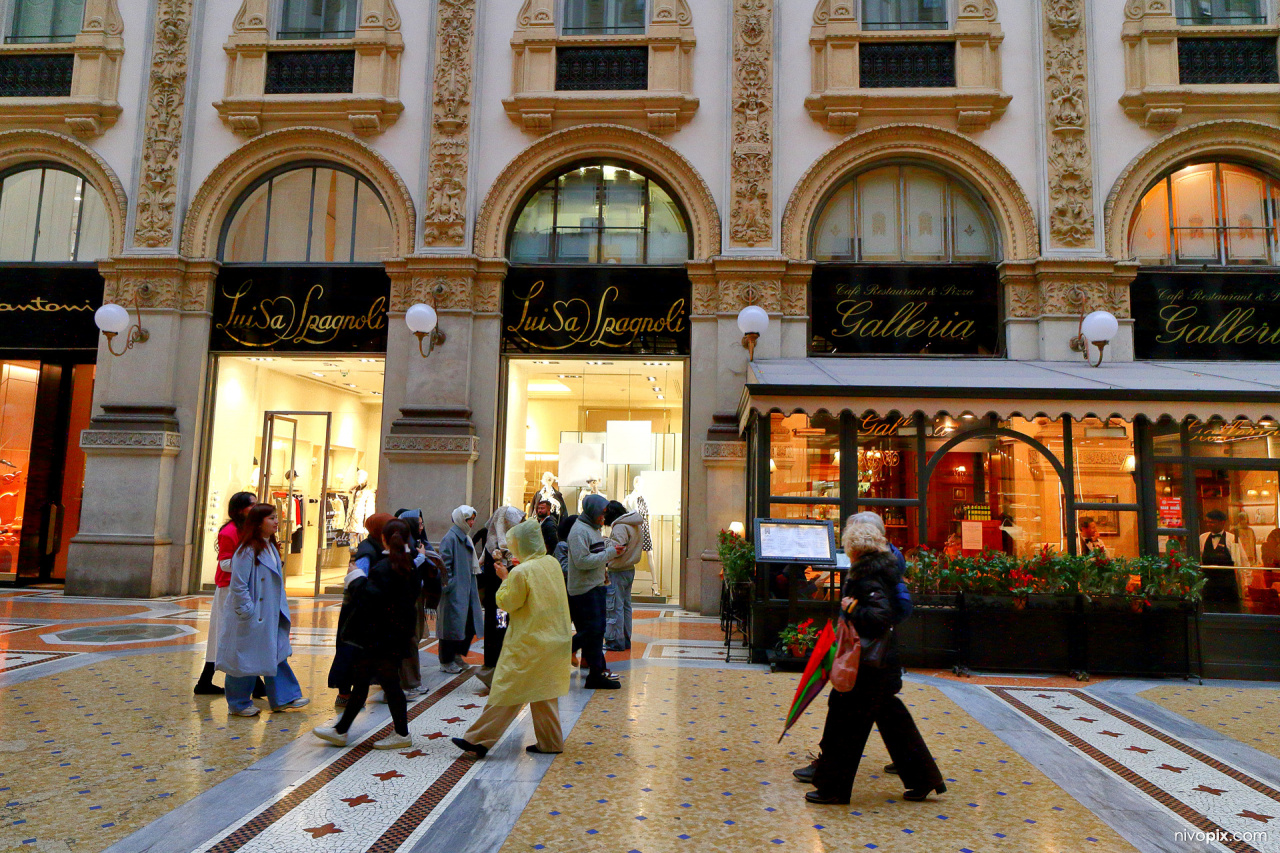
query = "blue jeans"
{"x": 617, "y": 631}
{"x": 282, "y": 688}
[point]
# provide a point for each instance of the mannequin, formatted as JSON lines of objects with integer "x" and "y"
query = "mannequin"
{"x": 592, "y": 488}
{"x": 548, "y": 492}
{"x": 255, "y": 476}
{"x": 363, "y": 497}
{"x": 636, "y": 502}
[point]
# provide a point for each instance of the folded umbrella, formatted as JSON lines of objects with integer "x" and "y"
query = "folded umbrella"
{"x": 815, "y": 676}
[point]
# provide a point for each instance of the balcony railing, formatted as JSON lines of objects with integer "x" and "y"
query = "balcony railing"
{"x": 907, "y": 65}
{"x": 310, "y": 72}
{"x": 1227, "y": 60}
{"x": 602, "y": 68}
{"x": 37, "y": 75}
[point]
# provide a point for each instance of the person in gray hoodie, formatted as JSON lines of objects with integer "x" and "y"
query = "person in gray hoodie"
{"x": 589, "y": 557}
{"x": 626, "y": 531}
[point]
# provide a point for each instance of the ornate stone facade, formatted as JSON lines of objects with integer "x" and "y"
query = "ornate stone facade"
{"x": 154, "y": 215}
{"x": 751, "y": 153}
{"x": 447, "y": 283}
{"x": 1061, "y": 288}
{"x": 446, "y": 213}
{"x": 725, "y": 285}
{"x": 1070, "y": 160}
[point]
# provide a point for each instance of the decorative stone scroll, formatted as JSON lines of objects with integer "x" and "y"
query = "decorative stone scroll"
{"x": 446, "y": 282}
{"x": 726, "y": 285}
{"x": 751, "y": 154}
{"x": 157, "y": 192}
{"x": 1071, "y": 219}
{"x": 141, "y": 442}
{"x": 466, "y": 446}
{"x": 446, "y": 214}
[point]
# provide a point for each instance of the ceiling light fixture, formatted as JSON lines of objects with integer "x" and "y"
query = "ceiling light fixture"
{"x": 321, "y": 375}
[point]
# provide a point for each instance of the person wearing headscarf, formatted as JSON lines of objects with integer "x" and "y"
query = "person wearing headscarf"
{"x": 533, "y": 669}
{"x": 589, "y": 556}
{"x": 459, "y": 616}
{"x": 368, "y": 552}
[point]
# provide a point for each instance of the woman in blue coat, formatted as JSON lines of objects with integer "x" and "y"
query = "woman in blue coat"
{"x": 459, "y": 616}
{"x": 253, "y": 637}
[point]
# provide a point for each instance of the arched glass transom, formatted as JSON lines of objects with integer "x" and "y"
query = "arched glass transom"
{"x": 1208, "y": 213}
{"x": 600, "y": 215}
{"x": 49, "y": 213}
{"x": 904, "y": 214}
{"x": 308, "y": 214}
{"x": 603, "y": 17}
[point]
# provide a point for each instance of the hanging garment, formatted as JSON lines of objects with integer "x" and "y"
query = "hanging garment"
{"x": 642, "y": 507}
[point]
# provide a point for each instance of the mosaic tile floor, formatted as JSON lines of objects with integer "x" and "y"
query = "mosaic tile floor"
{"x": 103, "y": 746}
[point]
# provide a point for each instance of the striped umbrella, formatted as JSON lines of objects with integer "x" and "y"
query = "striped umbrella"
{"x": 815, "y": 676}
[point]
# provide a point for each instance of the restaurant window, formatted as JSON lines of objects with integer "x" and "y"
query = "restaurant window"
{"x": 313, "y": 213}
{"x": 318, "y": 19}
{"x": 904, "y": 214}
{"x": 51, "y": 214}
{"x": 600, "y": 215}
{"x": 1106, "y": 489}
{"x": 904, "y": 14}
{"x": 1220, "y": 214}
{"x": 1221, "y": 12}
{"x": 45, "y": 21}
{"x": 804, "y": 457}
{"x": 603, "y": 17}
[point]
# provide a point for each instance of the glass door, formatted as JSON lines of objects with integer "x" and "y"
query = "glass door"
{"x": 295, "y": 479}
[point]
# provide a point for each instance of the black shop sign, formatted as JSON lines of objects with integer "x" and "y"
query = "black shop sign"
{"x": 905, "y": 310}
{"x": 596, "y": 311}
{"x": 1206, "y": 316}
{"x": 49, "y": 308}
{"x": 300, "y": 309}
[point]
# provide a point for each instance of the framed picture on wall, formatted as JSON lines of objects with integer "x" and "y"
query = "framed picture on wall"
{"x": 960, "y": 493}
{"x": 1108, "y": 520}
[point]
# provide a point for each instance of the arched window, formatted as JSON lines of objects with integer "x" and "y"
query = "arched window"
{"x": 313, "y": 213}
{"x": 603, "y": 17}
{"x": 904, "y": 214}
{"x": 600, "y": 215}
{"x": 52, "y": 214}
{"x": 1207, "y": 213}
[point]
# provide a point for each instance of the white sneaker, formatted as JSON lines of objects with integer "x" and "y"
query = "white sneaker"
{"x": 452, "y": 667}
{"x": 251, "y": 711}
{"x": 329, "y": 734}
{"x": 300, "y": 702}
{"x": 379, "y": 697}
{"x": 414, "y": 692}
{"x": 394, "y": 741}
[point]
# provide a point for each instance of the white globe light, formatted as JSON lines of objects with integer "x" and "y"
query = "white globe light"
{"x": 753, "y": 320}
{"x": 1100, "y": 326}
{"x": 112, "y": 318}
{"x": 420, "y": 319}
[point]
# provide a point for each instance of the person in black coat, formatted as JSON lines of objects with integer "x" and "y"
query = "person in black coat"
{"x": 868, "y": 603}
{"x": 380, "y": 627}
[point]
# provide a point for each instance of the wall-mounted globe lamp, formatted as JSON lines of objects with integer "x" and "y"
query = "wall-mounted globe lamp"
{"x": 424, "y": 323}
{"x": 113, "y": 320}
{"x": 753, "y": 321}
{"x": 1097, "y": 328}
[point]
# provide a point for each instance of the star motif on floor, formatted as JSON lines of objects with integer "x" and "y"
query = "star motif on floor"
{"x": 1205, "y": 789}
{"x": 362, "y": 800}
{"x": 470, "y": 706}
{"x": 390, "y": 774}
{"x": 452, "y": 720}
{"x": 417, "y": 753}
{"x": 322, "y": 831}
{"x": 1110, "y": 734}
{"x": 1043, "y": 696}
{"x": 434, "y": 735}
{"x": 1171, "y": 768}
{"x": 1064, "y": 707}
{"x": 1260, "y": 818}
{"x": 1085, "y": 720}
{"x": 1137, "y": 749}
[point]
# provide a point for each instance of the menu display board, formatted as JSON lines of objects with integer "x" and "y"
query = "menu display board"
{"x": 788, "y": 540}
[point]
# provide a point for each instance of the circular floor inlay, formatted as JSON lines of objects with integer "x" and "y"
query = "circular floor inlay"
{"x": 109, "y": 634}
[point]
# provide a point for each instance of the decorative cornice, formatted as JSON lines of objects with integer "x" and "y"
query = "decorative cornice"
{"x": 146, "y": 442}
{"x": 724, "y": 450}
{"x": 751, "y": 154}
{"x": 157, "y": 197}
{"x": 445, "y": 219}
{"x": 1070, "y": 160}
{"x": 463, "y": 447}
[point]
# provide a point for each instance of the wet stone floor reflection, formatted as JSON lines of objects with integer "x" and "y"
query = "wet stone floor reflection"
{"x": 103, "y": 746}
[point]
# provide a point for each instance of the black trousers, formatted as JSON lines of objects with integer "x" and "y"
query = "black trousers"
{"x": 850, "y": 716}
{"x": 450, "y": 649}
{"x": 386, "y": 670}
{"x": 493, "y": 635}
{"x": 587, "y": 612}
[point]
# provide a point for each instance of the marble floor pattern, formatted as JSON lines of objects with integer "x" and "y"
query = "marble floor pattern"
{"x": 103, "y": 747}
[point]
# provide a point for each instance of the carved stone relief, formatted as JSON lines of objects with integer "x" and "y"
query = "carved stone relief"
{"x": 1071, "y": 219}
{"x": 157, "y": 192}
{"x": 751, "y": 157}
{"x": 446, "y": 213}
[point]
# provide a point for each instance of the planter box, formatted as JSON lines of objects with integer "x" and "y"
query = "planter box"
{"x": 781, "y": 661}
{"x": 1040, "y": 636}
{"x": 1153, "y": 641}
{"x": 930, "y": 638}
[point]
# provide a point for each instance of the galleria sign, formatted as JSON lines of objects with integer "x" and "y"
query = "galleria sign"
{"x": 1206, "y": 315}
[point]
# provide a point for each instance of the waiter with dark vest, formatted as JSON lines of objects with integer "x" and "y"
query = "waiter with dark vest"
{"x": 1220, "y": 549}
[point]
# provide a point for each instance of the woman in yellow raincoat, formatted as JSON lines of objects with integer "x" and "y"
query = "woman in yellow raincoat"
{"x": 534, "y": 667}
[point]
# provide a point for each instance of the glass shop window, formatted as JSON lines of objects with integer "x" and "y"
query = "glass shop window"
{"x": 1166, "y": 437}
{"x": 45, "y": 21}
{"x": 1242, "y": 504}
{"x": 1235, "y": 439}
{"x": 904, "y": 14}
{"x": 804, "y": 457}
{"x": 1221, "y": 214}
{"x": 887, "y": 458}
{"x": 603, "y": 17}
{"x": 318, "y": 19}
{"x": 51, "y": 214}
{"x": 309, "y": 214}
{"x": 600, "y": 215}
{"x": 904, "y": 214}
{"x": 1105, "y": 481}
{"x": 1220, "y": 12}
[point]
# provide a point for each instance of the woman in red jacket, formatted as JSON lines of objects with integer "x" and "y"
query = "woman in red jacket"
{"x": 228, "y": 539}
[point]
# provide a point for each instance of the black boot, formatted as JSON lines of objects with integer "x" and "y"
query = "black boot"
{"x": 260, "y": 689}
{"x": 205, "y": 686}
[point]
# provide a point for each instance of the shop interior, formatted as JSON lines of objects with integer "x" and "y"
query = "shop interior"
{"x": 608, "y": 427}
{"x": 302, "y": 433}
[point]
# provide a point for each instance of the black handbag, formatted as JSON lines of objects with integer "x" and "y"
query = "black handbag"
{"x": 874, "y": 650}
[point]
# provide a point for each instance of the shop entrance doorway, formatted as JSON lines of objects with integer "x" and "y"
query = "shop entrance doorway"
{"x": 576, "y": 427}
{"x": 301, "y": 433}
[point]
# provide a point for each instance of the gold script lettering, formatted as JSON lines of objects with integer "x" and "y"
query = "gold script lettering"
{"x": 285, "y": 321}
{"x": 584, "y": 324}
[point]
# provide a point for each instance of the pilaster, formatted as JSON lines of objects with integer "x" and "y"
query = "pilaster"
{"x": 1045, "y": 299}
{"x": 751, "y": 144}
{"x": 1067, "y": 122}
{"x": 445, "y": 219}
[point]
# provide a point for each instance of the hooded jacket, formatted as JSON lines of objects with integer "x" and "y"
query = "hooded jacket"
{"x": 627, "y": 531}
{"x": 534, "y": 665}
{"x": 589, "y": 555}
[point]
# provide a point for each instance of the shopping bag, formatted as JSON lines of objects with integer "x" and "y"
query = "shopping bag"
{"x": 844, "y": 672}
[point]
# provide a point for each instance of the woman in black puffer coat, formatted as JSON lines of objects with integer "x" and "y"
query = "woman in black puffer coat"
{"x": 868, "y": 603}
